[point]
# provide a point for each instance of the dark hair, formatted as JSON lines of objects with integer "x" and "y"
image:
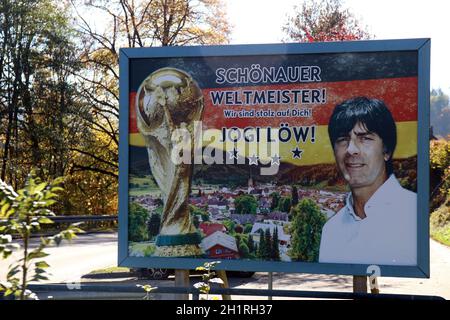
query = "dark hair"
{"x": 371, "y": 113}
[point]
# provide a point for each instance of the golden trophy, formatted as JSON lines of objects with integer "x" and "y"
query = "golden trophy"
{"x": 166, "y": 100}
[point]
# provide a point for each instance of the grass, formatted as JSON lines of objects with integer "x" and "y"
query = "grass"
{"x": 143, "y": 185}
{"x": 137, "y": 192}
{"x": 141, "y": 180}
{"x": 110, "y": 270}
{"x": 158, "y": 210}
{"x": 323, "y": 185}
{"x": 441, "y": 235}
{"x": 145, "y": 249}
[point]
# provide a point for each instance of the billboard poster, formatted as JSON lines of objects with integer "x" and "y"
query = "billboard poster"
{"x": 298, "y": 157}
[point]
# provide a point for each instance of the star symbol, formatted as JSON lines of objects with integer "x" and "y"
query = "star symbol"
{"x": 297, "y": 153}
{"x": 253, "y": 160}
{"x": 275, "y": 160}
{"x": 233, "y": 154}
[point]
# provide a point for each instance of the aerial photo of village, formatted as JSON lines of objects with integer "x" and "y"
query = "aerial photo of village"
{"x": 242, "y": 215}
{"x": 254, "y": 221}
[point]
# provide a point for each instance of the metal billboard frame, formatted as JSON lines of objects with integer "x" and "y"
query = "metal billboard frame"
{"x": 421, "y": 46}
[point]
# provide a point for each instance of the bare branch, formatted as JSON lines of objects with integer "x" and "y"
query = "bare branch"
{"x": 91, "y": 168}
{"x": 115, "y": 165}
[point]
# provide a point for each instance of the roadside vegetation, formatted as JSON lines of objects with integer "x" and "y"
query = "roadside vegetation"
{"x": 440, "y": 191}
{"x": 22, "y": 213}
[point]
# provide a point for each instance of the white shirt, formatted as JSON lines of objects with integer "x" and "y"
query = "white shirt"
{"x": 386, "y": 236}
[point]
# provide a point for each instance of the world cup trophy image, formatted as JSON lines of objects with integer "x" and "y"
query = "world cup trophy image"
{"x": 167, "y": 100}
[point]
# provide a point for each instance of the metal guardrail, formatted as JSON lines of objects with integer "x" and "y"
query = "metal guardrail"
{"x": 85, "y": 218}
{"x": 39, "y": 288}
{"x": 74, "y": 219}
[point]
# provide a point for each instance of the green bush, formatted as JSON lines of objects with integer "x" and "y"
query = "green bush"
{"x": 149, "y": 251}
{"x": 245, "y": 204}
{"x": 137, "y": 223}
{"x": 229, "y": 225}
{"x": 440, "y": 223}
{"x": 248, "y": 228}
{"x": 275, "y": 200}
{"x": 285, "y": 204}
{"x": 194, "y": 210}
{"x": 441, "y": 217}
{"x": 23, "y": 213}
{"x": 241, "y": 243}
{"x": 154, "y": 225}
{"x": 440, "y": 166}
{"x": 306, "y": 231}
{"x": 244, "y": 251}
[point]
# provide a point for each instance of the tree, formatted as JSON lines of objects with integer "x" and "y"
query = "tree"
{"x": 205, "y": 217}
{"x": 245, "y": 204}
{"x": 294, "y": 196}
{"x": 195, "y": 211}
{"x": 306, "y": 231}
{"x": 196, "y": 221}
{"x": 275, "y": 200}
{"x": 154, "y": 224}
{"x": 241, "y": 243}
{"x": 251, "y": 244}
{"x": 440, "y": 191}
{"x": 133, "y": 24}
{"x": 37, "y": 58}
{"x": 137, "y": 223}
{"x": 182, "y": 22}
{"x": 229, "y": 225}
{"x": 324, "y": 20}
{"x": 248, "y": 228}
{"x": 275, "y": 252}
{"x": 269, "y": 245}
{"x": 91, "y": 191}
{"x": 285, "y": 204}
{"x": 262, "y": 248}
{"x": 41, "y": 112}
{"x": 244, "y": 250}
{"x": 440, "y": 167}
{"x": 440, "y": 112}
{"x": 159, "y": 202}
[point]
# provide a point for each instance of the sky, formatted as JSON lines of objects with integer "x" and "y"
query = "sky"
{"x": 260, "y": 21}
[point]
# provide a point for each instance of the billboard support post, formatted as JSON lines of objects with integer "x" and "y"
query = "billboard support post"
{"x": 359, "y": 284}
{"x": 223, "y": 275}
{"x": 270, "y": 283}
{"x": 375, "y": 289}
{"x": 181, "y": 280}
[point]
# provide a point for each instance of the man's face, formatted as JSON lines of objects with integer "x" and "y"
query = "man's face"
{"x": 360, "y": 157}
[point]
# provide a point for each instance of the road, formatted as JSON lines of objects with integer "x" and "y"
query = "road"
{"x": 69, "y": 261}
{"x": 96, "y": 251}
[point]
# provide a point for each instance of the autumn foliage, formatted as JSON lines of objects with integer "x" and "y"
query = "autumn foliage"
{"x": 325, "y": 20}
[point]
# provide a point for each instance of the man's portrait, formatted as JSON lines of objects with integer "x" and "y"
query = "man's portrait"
{"x": 378, "y": 224}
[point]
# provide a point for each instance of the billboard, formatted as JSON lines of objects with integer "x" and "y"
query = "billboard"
{"x": 288, "y": 157}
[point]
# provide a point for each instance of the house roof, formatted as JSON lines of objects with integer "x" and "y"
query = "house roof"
{"x": 196, "y": 200}
{"x": 210, "y": 228}
{"x": 217, "y": 202}
{"x": 278, "y": 215}
{"x": 213, "y": 210}
{"x": 219, "y": 238}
